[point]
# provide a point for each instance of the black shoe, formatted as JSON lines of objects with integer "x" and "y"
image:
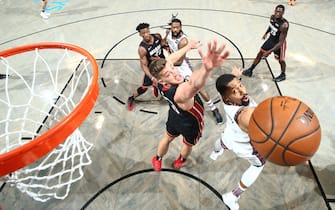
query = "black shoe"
{"x": 218, "y": 117}
{"x": 281, "y": 77}
{"x": 247, "y": 72}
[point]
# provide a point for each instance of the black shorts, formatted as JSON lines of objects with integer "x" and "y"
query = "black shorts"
{"x": 279, "y": 53}
{"x": 189, "y": 130}
{"x": 146, "y": 81}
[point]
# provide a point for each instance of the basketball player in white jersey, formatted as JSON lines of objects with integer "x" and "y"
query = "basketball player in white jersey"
{"x": 238, "y": 108}
{"x": 176, "y": 40}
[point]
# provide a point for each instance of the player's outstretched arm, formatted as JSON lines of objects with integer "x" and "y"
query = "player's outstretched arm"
{"x": 214, "y": 57}
{"x": 174, "y": 57}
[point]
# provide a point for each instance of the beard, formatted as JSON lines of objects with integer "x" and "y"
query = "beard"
{"x": 176, "y": 34}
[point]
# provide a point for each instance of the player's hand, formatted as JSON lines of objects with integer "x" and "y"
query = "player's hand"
{"x": 215, "y": 56}
{"x": 167, "y": 48}
{"x": 164, "y": 43}
{"x": 264, "y": 36}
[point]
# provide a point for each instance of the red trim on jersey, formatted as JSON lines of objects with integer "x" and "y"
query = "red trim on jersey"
{"x": 165, "y": 88}
{"x": 199, "y": 107}
{"x": 198, "y": 112}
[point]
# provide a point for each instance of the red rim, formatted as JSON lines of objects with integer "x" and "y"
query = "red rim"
{"x": 40, "y": 146}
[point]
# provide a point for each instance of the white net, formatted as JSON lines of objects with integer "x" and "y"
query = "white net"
{"x": 35, "y": 96}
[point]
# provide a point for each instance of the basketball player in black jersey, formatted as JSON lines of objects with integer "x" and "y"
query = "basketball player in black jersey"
{"x": 186, "y": 113}
{"x": 276, "y": 43}
{"x": 176, "y": 39}
{"x": 149, "y": 49}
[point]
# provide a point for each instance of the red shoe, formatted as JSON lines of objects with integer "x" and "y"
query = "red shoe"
{"x": 155, "y": 89}
{"x": 178, "y": 163}
{"x": 156, "y": 164}
{"x": 131, "y": 103}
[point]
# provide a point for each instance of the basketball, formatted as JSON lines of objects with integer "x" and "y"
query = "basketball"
{"x": 284, "y": 130}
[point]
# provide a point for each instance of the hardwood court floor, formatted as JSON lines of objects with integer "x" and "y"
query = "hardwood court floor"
{"x": 120, "y": 176}
{"x": 125, "y": 143}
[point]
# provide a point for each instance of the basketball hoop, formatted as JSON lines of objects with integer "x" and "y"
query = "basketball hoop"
{"x": 31, "y": 149}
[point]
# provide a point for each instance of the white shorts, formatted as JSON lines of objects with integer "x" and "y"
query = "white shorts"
{"x": 185, "y": 70}
{"x": 242, "y": 149}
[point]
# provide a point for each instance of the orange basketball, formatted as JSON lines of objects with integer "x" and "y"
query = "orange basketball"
{"x": 284, "y": 130}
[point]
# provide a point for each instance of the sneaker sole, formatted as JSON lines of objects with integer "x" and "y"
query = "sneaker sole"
{"x": 173, "y": 166}
{"x": 279, "y": 80}
{"x": 225, "y": 203}
{"x": 247, "y": 75}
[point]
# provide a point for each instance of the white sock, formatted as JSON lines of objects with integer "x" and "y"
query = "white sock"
{"x": 211, "y": 105}
{"x": 238, "y": 190}
{"x": 217, "y": 145}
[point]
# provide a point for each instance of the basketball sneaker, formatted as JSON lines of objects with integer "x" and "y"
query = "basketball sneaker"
{"x": 247, "y": 72}
{"x": 231, "y": 200}
{"x": 280, "y": 78}
{"x": 155, "y": 89}
{"x": 44, "y": 15}
{"x": 178, "y": 163}
{"x": 218, "y": 117}
{"x": 215, "y": 154}
{"x": 219, "y": 148}
{"x": 131, "y": 103}
{"x": 156, "y": 164}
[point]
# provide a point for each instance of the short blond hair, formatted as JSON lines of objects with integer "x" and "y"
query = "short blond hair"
{"x": 156, "y": 66}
